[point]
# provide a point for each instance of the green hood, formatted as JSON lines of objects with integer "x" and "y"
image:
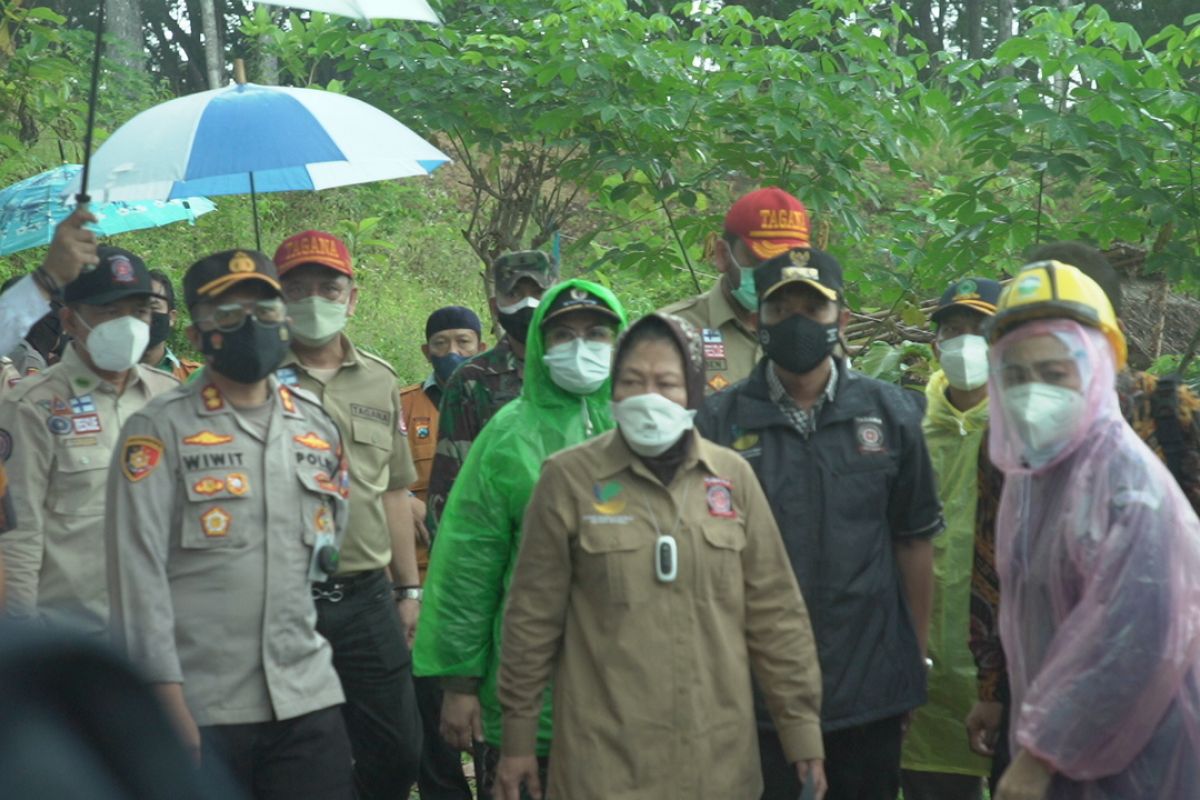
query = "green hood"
{"x": 480, "y": 530}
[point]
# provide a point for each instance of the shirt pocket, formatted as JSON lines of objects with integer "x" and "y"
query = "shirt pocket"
{"x": 79, "y": 480}
{"x": 719, "y": 558}
{"x": 217, "y": 516}
{"x": 371, "y": 449}
{"x": 616, "y": 563}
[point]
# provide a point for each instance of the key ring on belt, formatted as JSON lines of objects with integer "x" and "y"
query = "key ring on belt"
{"x": 332, "y": 595}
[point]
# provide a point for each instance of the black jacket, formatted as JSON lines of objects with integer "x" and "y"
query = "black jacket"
{"x": 841, "y": 497}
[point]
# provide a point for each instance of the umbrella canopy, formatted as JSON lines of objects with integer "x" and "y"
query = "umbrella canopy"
{"x": 247, "y": 138}
{"x": 366, "y": 9}
{"x": 30, "y": 210}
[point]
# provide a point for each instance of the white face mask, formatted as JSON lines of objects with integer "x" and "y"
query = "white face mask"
{"x": 650, "y": 423}
{"x": 1045, "y": 417}
{"x": 964, "y": 360}
{"x": 316, "y": 320}
{"x": 577, "y": 366}
{"x": 118, "y": 344}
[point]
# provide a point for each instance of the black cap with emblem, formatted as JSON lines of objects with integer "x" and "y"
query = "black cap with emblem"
{"x": 119, "y": 274}
{"x": 212, "y": 275}
{"x": 578, "y": 300}
{"x": 806, "y": 265}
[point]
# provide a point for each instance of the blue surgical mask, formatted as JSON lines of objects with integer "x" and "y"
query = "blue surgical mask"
{"x": 444, "y": 366}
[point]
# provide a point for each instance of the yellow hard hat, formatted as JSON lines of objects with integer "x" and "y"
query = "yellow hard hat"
{"x": 1049, "y": 289}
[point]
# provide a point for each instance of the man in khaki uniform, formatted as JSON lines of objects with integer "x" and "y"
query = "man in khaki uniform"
{"x": 226, "y": 499}
{"x": 58, "y": 430}
{"x": 356, "y": 611}
{"x": 758, "y": 227}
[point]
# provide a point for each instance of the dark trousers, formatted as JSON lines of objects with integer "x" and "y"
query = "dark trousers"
{"x": 1003, "y": 756}
{"x": 919, "y": 785}
{"x": 441, "y": 775}
{"x": 358, "y": 617}
{"x": 861, "y": 763}
{"x": 304, "y": 758}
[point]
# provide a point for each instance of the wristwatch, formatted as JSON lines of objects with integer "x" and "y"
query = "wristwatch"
{"x": 409, "y": 593}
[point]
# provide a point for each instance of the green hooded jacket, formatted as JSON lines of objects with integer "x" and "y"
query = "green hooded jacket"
{"x": 937, "y": 739}
{"x": 480, "y": 530}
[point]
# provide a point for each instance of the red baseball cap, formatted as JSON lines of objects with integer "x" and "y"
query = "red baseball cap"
{"x": 769, "y": 221}
{"x": 313, "y": 247}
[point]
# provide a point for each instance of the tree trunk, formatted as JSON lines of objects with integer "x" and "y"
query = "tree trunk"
{"x": 973, "y": 10}
{"x": 214, "y": 60}
{"x": 1004, "y": 24}
{"x": 123, "y": 33}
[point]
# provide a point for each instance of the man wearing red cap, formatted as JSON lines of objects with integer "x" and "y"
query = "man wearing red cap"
{"x": 355, "y": 607}
{"x": 758, "y": 227}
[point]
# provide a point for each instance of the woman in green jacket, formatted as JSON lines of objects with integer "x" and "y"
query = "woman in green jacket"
{"x": 564, "y": 400}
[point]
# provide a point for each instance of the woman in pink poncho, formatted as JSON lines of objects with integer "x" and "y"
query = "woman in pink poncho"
{"x": 1099, "y": 560}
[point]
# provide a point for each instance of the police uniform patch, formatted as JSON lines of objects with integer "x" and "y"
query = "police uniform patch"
{"x": 122, "y": 270}
{"x": 608, "y": 500}
{"x": 714, "y": 350}
{"x": 86, "y": 423}
{"x": 83, "y": 404}
{"x": 423, "y": 427}
{"x": 869, "y": 433}
{"x": 323, "y": 522}
{"x": 6, "y": 445}
{"x": 208, "y": 439}
{"x": 718, "y": 382}
{"x": 59, "y": 408}
{"x": 215, "y": 522}
{"x": 208, "y": 486}
{"x": 719, "y": 493}
{"x": 81, "y": 441}
{"x": 716, "y": 365}
{"x": 59, "y": 426}
{"x": 285, "y": 397}
{"x": 312, "y": 441}
{"x": 140, "y": 455}
{"x": 212, "y": 398}
{"x": 711, "y": 336}
{"x": 237, "y": 483}
{"x": 287, "y": 376}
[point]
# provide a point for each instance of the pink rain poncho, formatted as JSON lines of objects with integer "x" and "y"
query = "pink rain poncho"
{"x": 1099, "y": 559}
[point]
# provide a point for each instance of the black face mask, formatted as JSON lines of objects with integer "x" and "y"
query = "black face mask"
{"x": 517, "y": 325}
{"x": 160, "y": 328}
{"x": 248, "y": 354}
{"x": 798, "y": 344}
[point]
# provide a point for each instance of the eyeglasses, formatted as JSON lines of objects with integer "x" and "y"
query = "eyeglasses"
{"x": 231, "y": 316}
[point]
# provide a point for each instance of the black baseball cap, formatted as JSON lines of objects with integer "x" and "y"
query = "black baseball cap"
{"x": 806, "y": 265}
{"x": 576, "y": 299}
{"x": 119, "y": 274}
{"x": 977, "y": 294}
{"x": 212, "y": 275}
{"x": 533, "y": 264}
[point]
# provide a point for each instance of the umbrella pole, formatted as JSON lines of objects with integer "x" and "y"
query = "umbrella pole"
{"x": 254, "y": 211}
{"x": 83, "y": 197}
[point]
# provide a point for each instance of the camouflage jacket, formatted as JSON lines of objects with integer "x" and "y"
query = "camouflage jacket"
{"x": 472, "y": 396}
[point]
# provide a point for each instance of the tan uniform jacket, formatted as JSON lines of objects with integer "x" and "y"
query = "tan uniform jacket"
{"x": 364, "y": 401}
{"x": 210, "y": 535}
{"x": 62, "y": 426}
{"x": 652, "y": 693}
{"x": 730, "y": 348}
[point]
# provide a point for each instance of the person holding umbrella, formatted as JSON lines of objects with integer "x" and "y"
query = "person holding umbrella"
{"x": 651, "y": 577}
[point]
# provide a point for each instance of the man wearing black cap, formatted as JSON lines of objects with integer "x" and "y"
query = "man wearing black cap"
{"x": 487, "y": 382}
{"x": 843, "y": 463}
{"x": 937, "y": 760}
{"x": 58, "y": 431}
{"x": 452, "y": 336}
{"x": 227, "y": 500}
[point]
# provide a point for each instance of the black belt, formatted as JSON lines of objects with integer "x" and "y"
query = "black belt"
{"x": 341, "y": 585}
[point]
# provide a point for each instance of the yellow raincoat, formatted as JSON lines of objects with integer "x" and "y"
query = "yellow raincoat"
{"x": 937, "y": 740}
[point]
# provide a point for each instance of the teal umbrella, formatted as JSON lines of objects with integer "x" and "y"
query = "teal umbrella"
{"x": 32, "y": 208}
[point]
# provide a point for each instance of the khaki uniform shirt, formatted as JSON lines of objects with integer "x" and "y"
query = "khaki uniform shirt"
{"x": 61, "y": 427}
{"x": 421, "y": 420}
{"x": 730, "y": 348}
{"x": 210, "y": 533}
{"x": 652, "y": 689}
{"x": 364, "y": 401}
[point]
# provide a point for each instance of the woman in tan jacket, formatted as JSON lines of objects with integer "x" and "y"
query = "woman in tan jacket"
{"x": 650, "y": 582}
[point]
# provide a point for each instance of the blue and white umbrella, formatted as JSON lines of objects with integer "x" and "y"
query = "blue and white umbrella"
{"x": 247, "y": 138}
{"x": 32, "y": 208}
